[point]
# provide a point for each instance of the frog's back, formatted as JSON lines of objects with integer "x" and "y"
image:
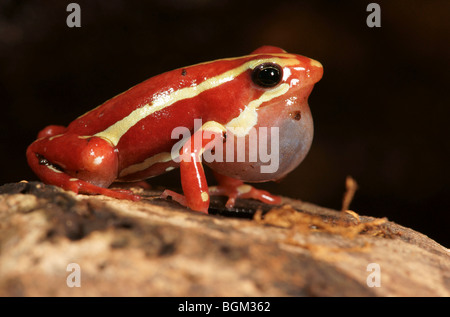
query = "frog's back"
{"x": 158, "y": 92}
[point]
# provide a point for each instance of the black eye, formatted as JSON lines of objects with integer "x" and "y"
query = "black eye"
{"x": 267, "y": 75}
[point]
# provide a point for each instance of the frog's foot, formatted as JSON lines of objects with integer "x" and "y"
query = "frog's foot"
{"x": 234, "y": 188}
{"x": 233, "y": 191}
{"x": 175, "y": 196}
{"x": 82, "y": 187}
{"x": 181, "y": 199}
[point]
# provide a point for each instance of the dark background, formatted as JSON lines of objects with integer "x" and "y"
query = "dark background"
{"x": 381, "y": 110}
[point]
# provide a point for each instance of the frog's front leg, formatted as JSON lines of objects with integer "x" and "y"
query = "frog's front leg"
{"x": 193, "y": 180}
{"x": 82, "y": 164}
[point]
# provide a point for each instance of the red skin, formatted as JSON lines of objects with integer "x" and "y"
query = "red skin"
{"x": 76, "y": 157}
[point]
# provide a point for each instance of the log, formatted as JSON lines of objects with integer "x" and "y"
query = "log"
{"x": 56, "y": 243}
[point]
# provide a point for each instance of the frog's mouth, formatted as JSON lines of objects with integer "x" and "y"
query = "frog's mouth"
{"x": 43, "y": 161}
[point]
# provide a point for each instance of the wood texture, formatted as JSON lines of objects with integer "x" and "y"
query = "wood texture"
{"x": 158, "y": 248}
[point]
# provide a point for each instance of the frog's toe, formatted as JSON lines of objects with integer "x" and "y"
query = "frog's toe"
{"x": 244, "y": 191}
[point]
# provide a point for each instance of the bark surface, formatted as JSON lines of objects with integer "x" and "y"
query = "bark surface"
{"x": 158, "y": 248}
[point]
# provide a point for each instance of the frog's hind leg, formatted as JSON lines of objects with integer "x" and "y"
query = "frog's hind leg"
{"x": 235, "y": 188}
{"x": 73, "y": 169}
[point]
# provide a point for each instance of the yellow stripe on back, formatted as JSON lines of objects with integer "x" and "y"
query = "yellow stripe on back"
{"x": 117, "y": 130}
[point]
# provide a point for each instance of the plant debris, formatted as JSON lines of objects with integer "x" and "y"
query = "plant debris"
{"x": 350, "y": 189}
{"x": 288, "y": 217}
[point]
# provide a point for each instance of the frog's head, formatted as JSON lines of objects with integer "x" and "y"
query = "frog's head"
{"x": 277, "y": 116}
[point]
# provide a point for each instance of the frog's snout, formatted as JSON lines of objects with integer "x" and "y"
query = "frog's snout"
{"x": 316, "y": 71}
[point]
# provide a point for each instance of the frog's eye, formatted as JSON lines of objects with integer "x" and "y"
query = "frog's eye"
{"x": 267, "y": 75}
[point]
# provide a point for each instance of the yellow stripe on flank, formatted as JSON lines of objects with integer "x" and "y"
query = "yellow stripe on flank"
{"x": 241, "y": 125}
{"x": 214, "y": 127}
{"x": 163, "y": 157}
{"x": 158, "y": 158}
{"x": 117, "y": 130}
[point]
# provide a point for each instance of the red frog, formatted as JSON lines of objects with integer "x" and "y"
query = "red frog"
{"x": 131, "y": 137}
